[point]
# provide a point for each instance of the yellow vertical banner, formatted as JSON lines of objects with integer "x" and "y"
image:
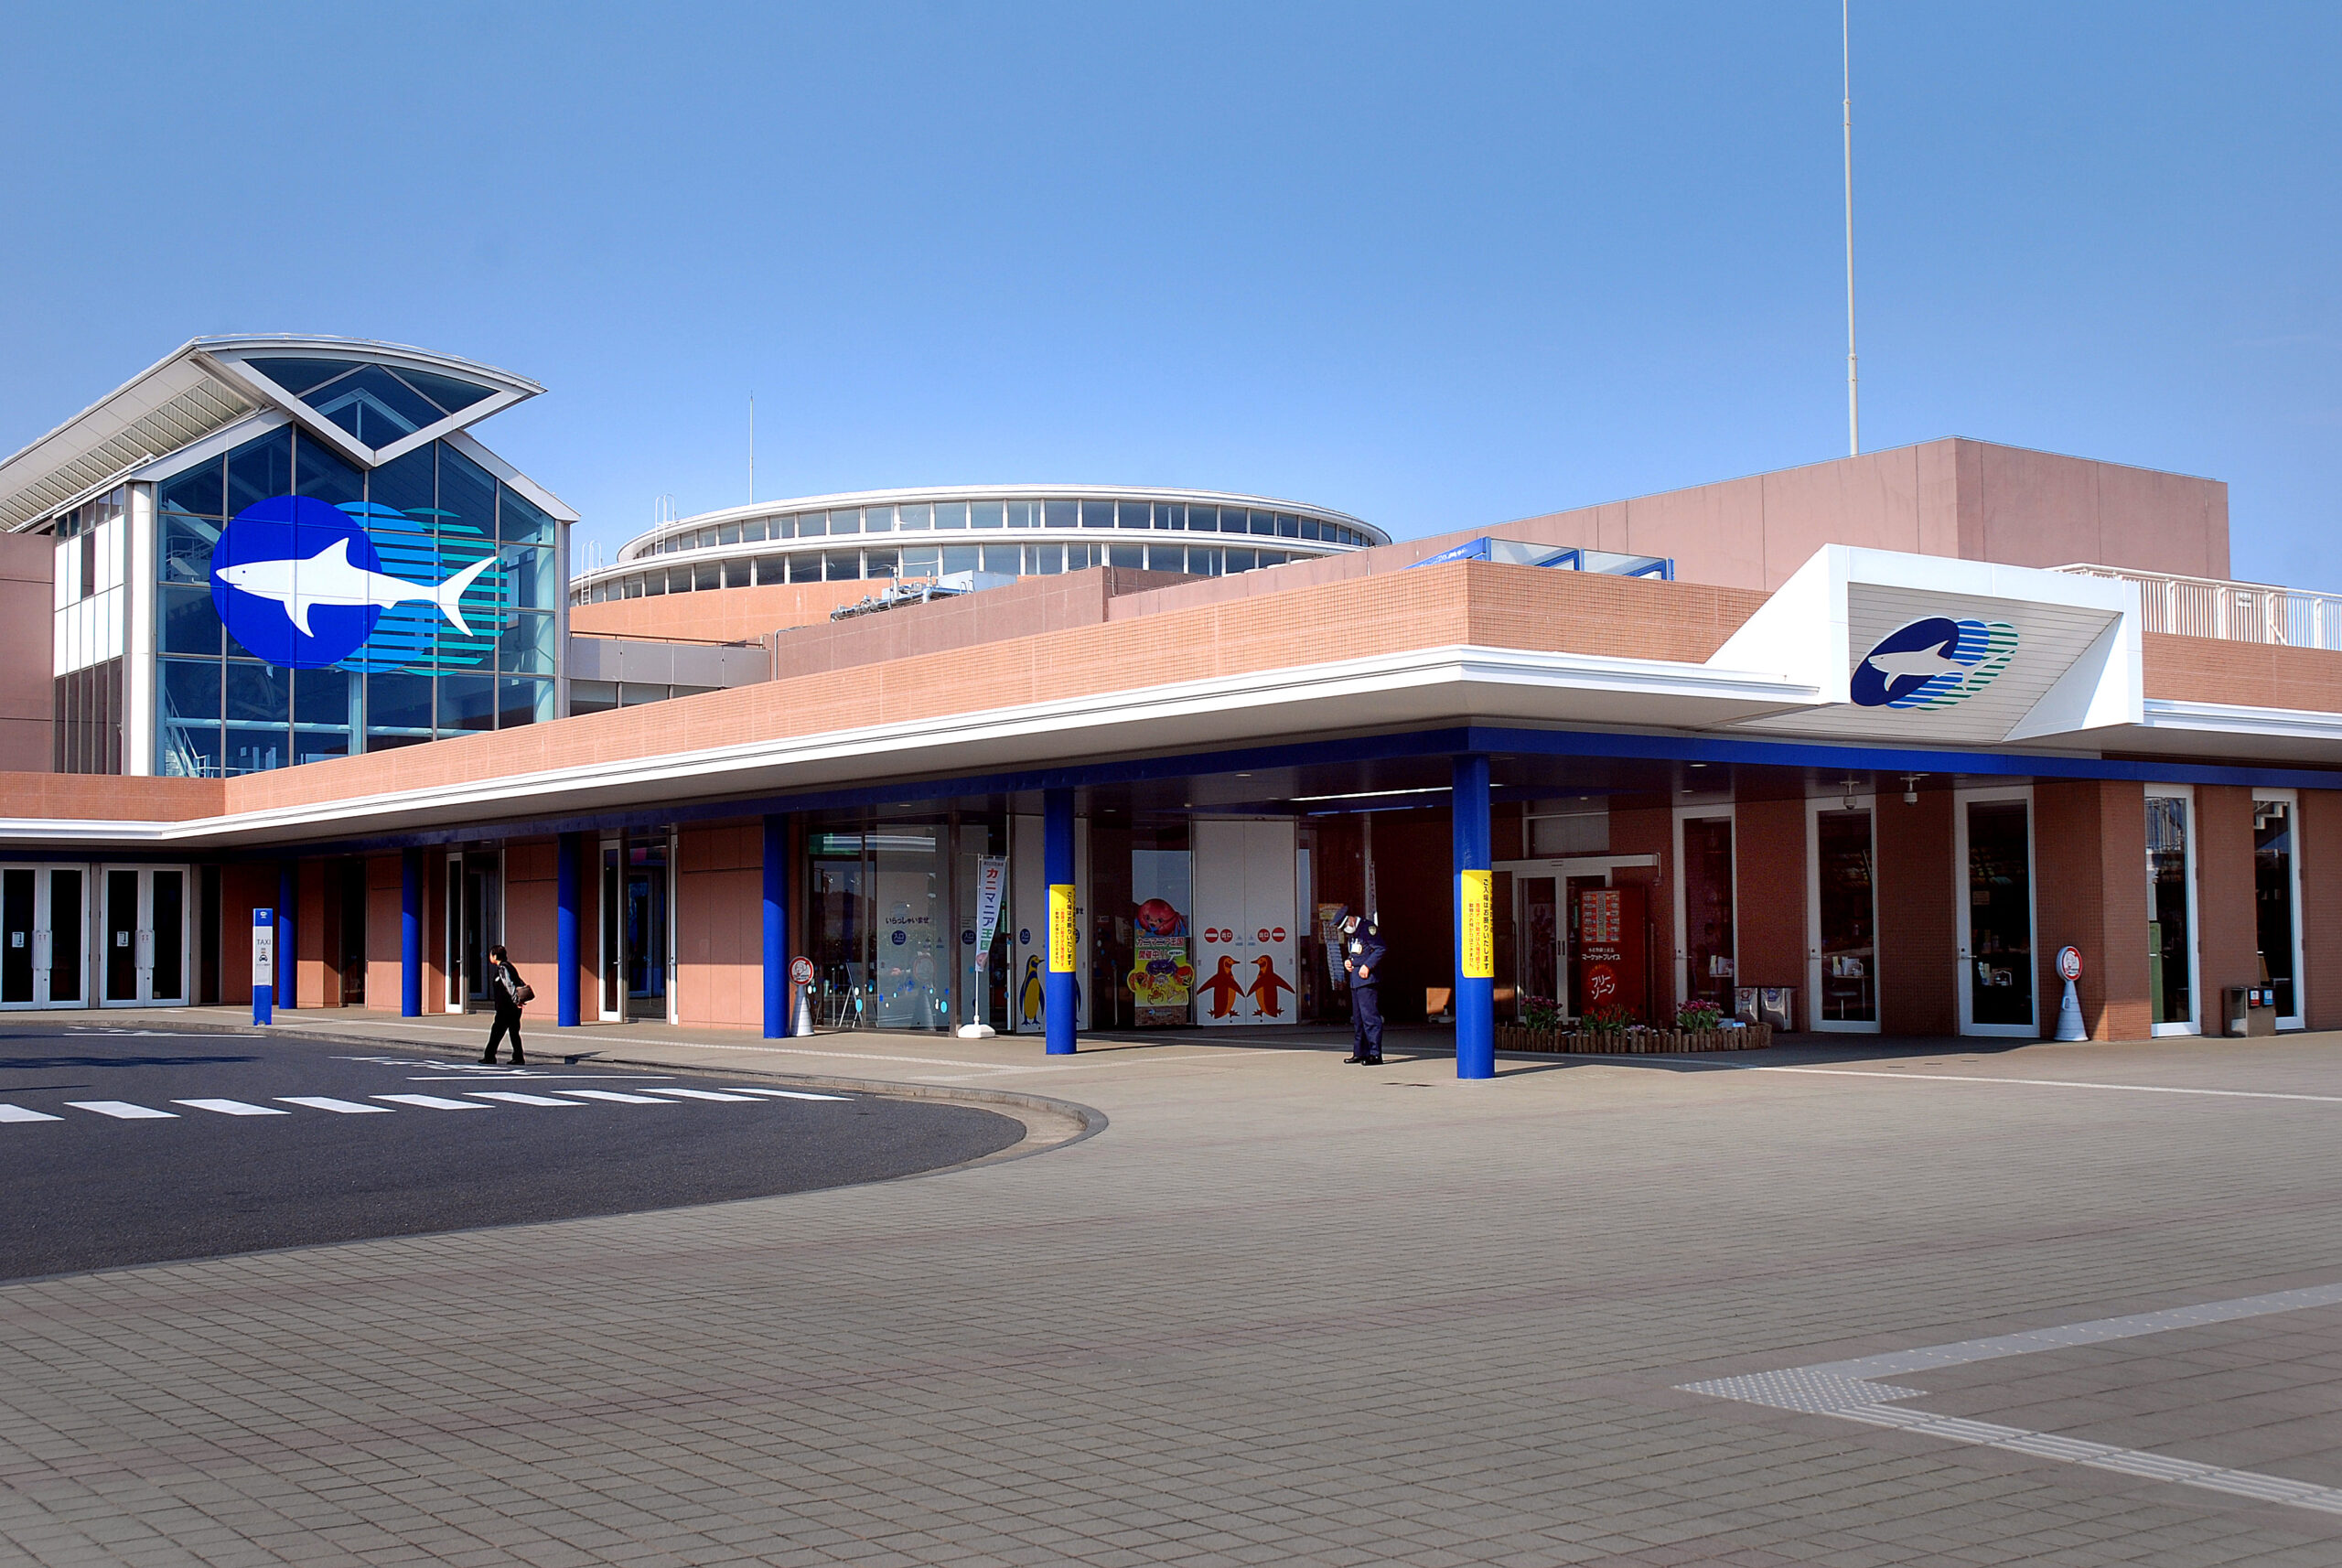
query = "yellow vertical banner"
{"x": 1475, "y": 910}
{"x": 1062, "y": 945}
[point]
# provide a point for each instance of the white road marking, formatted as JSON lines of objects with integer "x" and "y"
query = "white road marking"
{"x": 18, "y": 1113}
{"x": 1850, "y": 1389}
{"x": 511, "y": 1097}
{"x": 2039, "y": 1082}
{"x": 327, "y": 1102}
{"x": 122, "y": 1110}
{"x": 232, "y": 1108}
{"x": 432, "y": 1102}
{"x": 705, "y": 1094}
{"x": 615, "y": 1098}
{"x": 788, "y": 1093}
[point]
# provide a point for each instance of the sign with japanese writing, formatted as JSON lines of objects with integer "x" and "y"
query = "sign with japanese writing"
{"x": 1064, "y": 941}
{"x": 1476, "y": 931}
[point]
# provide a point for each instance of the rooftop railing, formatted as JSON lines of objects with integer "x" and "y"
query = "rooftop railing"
{"x": 2234, "y": 612}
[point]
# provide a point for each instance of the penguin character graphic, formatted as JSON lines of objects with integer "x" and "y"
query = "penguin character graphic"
{"x": 1265, "y": 988}
{"x": 1223, "y": 988}
{"x": 1032, "y": 994}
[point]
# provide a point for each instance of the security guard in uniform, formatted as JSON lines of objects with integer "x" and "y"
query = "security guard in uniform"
{"x": 1363, "y": 951}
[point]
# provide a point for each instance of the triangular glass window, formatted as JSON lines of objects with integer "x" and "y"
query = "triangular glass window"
{"x": 373, "y": 402}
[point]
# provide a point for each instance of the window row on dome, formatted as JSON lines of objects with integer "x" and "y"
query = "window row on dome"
{"x": 923, "y": 516}
{"x": 932, "y": 561}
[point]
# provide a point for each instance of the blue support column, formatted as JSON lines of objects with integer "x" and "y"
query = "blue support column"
{"x": 411, "y": 934}
{"x": 288, "y": 959}
{"x": 1475, "y": 986}
{"x": 776, "y": 881}
{"x": 1058, "y": 1014}
{"x": 568, "y": 850}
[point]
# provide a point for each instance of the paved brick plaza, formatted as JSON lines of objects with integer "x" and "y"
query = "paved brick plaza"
{"x": 1283, "y": 1310}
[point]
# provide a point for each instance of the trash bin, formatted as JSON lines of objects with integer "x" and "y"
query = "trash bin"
{"x": 1744, "y": 1004}
{"x": 2252, "y": 1011}
{"x": 1777, "y": 1006}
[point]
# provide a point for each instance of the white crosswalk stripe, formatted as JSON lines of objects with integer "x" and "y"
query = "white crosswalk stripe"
{"x": 122, "y": 1110}
{"x": 511, "y": 1097}
{"x": 327, "y": 1102}
{"x": 18, "y": 1113}
{"x": 615, "y": 1098}
{"x": 232, "y": 1108}
{"x": 702, "y": 1094}
{"x": 432, "y": 1102}
{"x": 569, "y": 1099}
{"x": 786, "y": 1093}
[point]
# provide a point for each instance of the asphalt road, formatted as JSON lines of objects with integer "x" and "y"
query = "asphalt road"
{"x": 119, "y": 1147}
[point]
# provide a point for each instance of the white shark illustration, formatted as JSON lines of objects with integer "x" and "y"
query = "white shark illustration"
{"x": 327, "y": 578}
{"x": 1924, "y": 661}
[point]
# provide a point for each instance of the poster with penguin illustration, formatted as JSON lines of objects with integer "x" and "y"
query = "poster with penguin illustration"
{"x": 1028, "y": 917}
{"x": 1246, "y": 924}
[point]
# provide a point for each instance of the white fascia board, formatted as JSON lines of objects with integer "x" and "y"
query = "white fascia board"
{"x": 2106, "y": 686}
{"x": 464, "y": 441}
{"x": 2169, "y": 715}
{"x": 1426, "y": 686}
{"x": 1800, "y": 631}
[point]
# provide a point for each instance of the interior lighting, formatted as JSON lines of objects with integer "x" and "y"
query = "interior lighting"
{"x": 1376, "y": 794}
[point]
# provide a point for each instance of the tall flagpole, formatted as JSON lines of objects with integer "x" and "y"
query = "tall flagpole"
{"x": 752, "y": 448}
{"x": 1846, "y": 64}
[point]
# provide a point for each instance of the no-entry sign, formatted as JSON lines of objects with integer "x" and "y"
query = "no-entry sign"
{"x": 2070, "y": 962}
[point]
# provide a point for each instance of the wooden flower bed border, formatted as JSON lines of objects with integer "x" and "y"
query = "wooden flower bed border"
{"x": 1632, "y": 1042}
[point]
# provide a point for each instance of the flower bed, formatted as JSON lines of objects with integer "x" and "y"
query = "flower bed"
{"x": 1632, "y": 1042}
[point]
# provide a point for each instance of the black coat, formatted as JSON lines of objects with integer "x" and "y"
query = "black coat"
{"x": 1366, "y": 949}
{"x": 504, "y": 987}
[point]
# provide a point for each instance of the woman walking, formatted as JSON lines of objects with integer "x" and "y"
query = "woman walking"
{"x": 508, "y": 990}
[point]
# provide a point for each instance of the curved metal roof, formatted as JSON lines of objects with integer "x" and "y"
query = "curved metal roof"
{"x": 205, "y": 385}
{"x": 635, "y": 549}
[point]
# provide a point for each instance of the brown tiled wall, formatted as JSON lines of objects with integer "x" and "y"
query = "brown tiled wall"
{"x": 2090, "y": 856}
{"x": 720, "y": 915}
{"x": 309, "y": 924}
{"x": 2251, "y": 674}
{"x": 382, "y": 957}
{"x": 109, "y": 797}
{"x": 1917, "y": 950}
{"x": 2227, "y": 906}
{"x": 1024, "y": 608}
{"x": 722, "y": 615}
{"x": 1769, "y": 857}
{"x": 27, "y": 691}
{"x": 531, "y": 919}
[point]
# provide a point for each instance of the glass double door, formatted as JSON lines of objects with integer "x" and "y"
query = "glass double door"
{"x": 142, "y": 935}
{"x": 1547, "y": 912}
{"x": 475, "y": 923}
{"x": 1997, "y": 979}
{"x": 44, "y": 962}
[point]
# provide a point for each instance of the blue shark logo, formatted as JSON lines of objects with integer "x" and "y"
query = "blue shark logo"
{"x": 1933, "y": 663}
{"x": 305, "y": 586}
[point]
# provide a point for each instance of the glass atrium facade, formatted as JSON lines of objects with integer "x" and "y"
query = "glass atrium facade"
{"x": 223, "y": 709}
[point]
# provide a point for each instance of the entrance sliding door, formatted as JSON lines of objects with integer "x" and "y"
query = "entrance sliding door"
{"x": 2173, "y": 983}
{"x": 1994, "y": 911}
{"x": 475, "y": 924}
{"x": 142, "y": 930}
{"x": 1841, "y": 951}
{"x": 2277, "y": 901}
{"x": 44, "y": 962}
{"x": 1706, "y": 952}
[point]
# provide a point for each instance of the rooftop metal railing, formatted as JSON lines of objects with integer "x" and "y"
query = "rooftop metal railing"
{"x": 2234, "y": 612}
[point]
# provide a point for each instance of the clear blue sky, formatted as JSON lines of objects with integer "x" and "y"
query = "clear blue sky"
{"x": 1435, "y": 265}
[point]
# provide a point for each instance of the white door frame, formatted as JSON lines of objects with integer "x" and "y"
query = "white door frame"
{"x": 1683, "y": 912}
{"x": 144, "y": 934}
{"x": 2194, "y": 1024}
{"x": 675, "y": 924}
{"x": 1814, "y": 807}
{"x": 452, "y": 911}
{"x": 1962, "y": 910}
{"x": 43, "y": 934}
{"x": 609, "y": 937}
{"x": 2299, "y": 1017}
